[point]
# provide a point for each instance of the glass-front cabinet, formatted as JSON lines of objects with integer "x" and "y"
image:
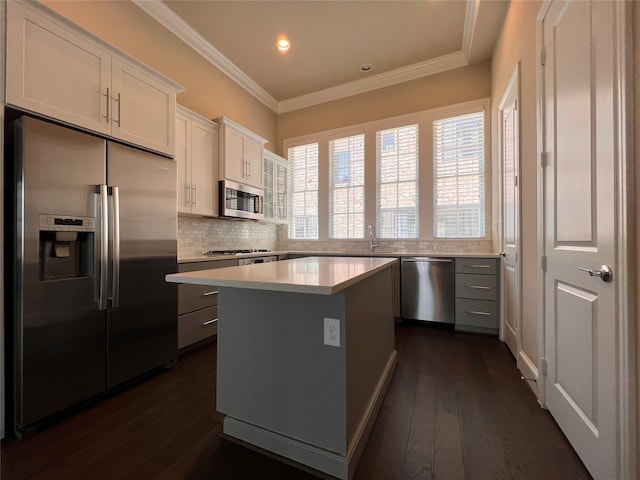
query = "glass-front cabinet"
{"x": 276, "y": 183}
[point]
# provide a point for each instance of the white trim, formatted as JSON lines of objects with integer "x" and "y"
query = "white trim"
{"x": 172, "y": 22}
{"x": 540, "y": 149}
{"x": 196, "y": 116}
{"x": 470, "y": 19}
{"x": 382, "y": 80}
{"x": 176, "y": 25}
{"x": 626, "y": 301}
{"x": 526, "y": 364}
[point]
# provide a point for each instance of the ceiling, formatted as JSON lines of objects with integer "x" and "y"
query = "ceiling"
{"x": 330, "y": 40}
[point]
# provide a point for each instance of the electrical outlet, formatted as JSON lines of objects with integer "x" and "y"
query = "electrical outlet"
{"x": 332, "y": 332}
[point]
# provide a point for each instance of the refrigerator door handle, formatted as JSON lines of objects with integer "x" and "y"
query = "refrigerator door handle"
{"x": 115, "y": 265}
{"x": 104, "y": 247}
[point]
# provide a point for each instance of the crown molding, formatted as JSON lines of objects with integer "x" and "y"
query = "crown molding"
{"x": 172, "y": 22}
{"x": 470, "y": 18}
{"x": 382, "y": 80}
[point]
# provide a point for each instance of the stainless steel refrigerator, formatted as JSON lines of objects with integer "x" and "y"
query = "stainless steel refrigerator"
{"x": 94, "y": 232}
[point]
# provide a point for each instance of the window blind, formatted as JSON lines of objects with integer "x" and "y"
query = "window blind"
{"x": 397, "y": 162}
{"x": 458, "y": 159}
{"x": 346, "y": 173}
{"x": 303, "y": 165}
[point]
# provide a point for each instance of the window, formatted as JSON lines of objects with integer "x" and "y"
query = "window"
{"x": 458, "y": 160}
{"x": 346, "y": 203}
{"x": 303, "y": 163}
{"x": 397, "y": 160}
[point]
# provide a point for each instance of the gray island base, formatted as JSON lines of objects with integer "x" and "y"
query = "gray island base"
{"x": 289, "y": 384}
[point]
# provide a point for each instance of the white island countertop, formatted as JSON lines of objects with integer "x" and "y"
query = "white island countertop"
{"x": 318, "y": 275}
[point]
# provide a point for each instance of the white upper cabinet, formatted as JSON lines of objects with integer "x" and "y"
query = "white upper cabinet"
{"x": 276, "y": 184}
{"x": 197, "y": 157}
{"x": 56, "y": 69}
{"x": 241, "y": 154}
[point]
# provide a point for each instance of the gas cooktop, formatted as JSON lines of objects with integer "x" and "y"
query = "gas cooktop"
{"x": 237, "y": 252}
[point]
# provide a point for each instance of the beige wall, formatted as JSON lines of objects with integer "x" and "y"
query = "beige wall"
{"x": 447, "y": 88}
{"x": 208, "y": 91}
{"x": 517, "y": 43}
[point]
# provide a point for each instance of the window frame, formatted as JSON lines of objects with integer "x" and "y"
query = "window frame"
{"x": 290, "y": 193}
{"x": 451, "y": 112}
{"x": 332, "y": 187}
{"x": 426, "y": 187}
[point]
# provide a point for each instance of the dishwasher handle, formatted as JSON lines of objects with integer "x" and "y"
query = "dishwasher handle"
{"x": 426, "y": 259}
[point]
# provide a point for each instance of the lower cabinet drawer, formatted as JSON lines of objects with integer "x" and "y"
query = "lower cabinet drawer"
{"x": 196, "y": 326}
{"x": 196, "y": 297}
{"x": 481, "y": 315}
{"x": 481, "y": 287}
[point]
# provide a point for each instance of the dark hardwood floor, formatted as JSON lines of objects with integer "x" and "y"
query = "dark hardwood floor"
{"x": 456, "y": 409}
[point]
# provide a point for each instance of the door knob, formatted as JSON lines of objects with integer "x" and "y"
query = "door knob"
{"x": 605, "y": 273}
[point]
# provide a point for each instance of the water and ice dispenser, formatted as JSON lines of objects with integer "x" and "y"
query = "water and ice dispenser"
{"x": 67, "y": 246}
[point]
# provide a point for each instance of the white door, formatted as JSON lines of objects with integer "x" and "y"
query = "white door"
{"x": 579, "y": 213}
{"x": 510, "y": 151}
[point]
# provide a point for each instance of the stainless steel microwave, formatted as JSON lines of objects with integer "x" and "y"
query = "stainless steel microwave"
{"x": 241, "y": 201}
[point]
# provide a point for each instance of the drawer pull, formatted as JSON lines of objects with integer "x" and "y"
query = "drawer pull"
{"x": 473, "y": 312}
{"x": 208, "y": 294}
{"x": 477, "y": 266}
{"x": 209, "y": 322}
{"x": 477, "y": 287}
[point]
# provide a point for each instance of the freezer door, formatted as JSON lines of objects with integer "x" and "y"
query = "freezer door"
{"x": 58, "y": 331}
{"x": 142, "y": 322}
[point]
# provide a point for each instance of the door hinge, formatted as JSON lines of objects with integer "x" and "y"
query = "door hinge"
{"x": 543, "y": 263}
{"x": 543, "y": 56}
{"x": 515, "y": 105}
{"x": 543, "y": 366}
{"x": 515, "y": 179}
{"x": 543, "y": 159}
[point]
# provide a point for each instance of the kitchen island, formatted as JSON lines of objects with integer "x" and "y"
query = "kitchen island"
{"x": 306, "y": 352}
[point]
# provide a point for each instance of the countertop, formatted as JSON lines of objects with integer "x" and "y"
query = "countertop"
{"x": 209, "y": 258}
{"x": 318, "y": 275}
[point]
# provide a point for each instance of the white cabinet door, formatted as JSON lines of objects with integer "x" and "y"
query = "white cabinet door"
{"x": 53, "y": 71}
{"x": 281, "y": 187}
{"x": 241, "y": 154}
{"x": 196, "y": 145}
{"x": 204, "y": 170}
{"x": 234, "y": 166}
{"x": 269, "y": 194}
{"x": 57, "y": 70}
{"x": 143, "y": 108}
{"x": 276, "y": 170}
{"x": 254, "y": 159}
{"x": 183, "y": 160}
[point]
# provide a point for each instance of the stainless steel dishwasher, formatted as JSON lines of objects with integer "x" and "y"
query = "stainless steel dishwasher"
{"x": 428, "y": 289}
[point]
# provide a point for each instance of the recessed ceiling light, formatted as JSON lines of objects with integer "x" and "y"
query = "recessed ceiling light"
{"x": 366, "y": 67}
{"x": 283, "y": 44}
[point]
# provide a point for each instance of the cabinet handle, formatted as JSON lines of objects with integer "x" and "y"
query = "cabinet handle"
{"x": 477, "y": 287}
{"x": 477, "y": 266}
{"x": 106, "y": 117}
{"x": 187, "y": 200}
{"x": 118, "y": 100}
{"x": 209, "y": 322}
{"x": 195, "y": 194}
{"x": 248, "y": 169}
{"x": 473, "y": 312}
{"x": 206, "y": 294}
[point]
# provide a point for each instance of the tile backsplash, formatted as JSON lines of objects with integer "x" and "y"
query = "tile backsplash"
{"x": 197, "y": 235}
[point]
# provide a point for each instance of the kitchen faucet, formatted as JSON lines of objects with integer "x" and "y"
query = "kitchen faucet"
{"x": 372, "y": 243}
